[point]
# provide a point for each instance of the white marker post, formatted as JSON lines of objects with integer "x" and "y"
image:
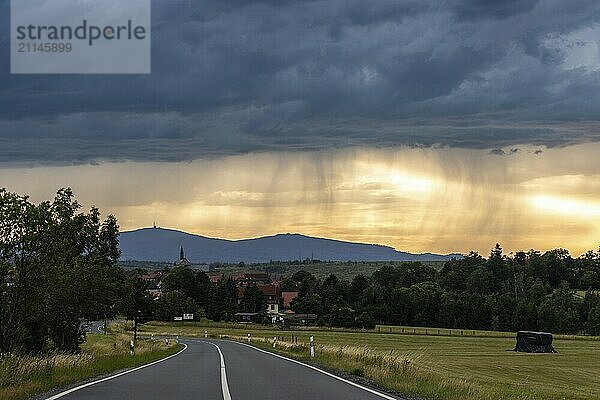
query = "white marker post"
{"x": 177, "y": 340}
{"x": 312, "y": 346}
{"x": 248, "y": 338}
{"x": 205, "y": 334}
{"x": 131, "y": 347}
{"x": 274, "y": 341}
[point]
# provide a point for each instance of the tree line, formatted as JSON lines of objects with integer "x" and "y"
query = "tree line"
{"x": 523, "y": 291}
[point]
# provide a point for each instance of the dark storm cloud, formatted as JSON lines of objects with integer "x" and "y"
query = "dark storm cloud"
{"x": 231, "y": 77}
{"x": 478, "y": 9}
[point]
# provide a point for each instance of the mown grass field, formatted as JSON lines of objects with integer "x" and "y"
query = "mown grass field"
{"x": 22, "y": 377}
{"x": 475, "y": 365}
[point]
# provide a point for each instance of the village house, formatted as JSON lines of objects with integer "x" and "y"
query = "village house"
{"x": 154, "y": 279}
{"x": 286, "y": 299}
{"x": 273, "y": 297}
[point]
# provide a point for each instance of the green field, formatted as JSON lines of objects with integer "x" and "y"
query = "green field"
{"x": 474, "y": 365}
{"x": 342, "y": 269}
{"x": 24, "y": 376}
{"x": 345, "y": 270}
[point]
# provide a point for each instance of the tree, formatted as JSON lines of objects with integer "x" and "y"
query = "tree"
{"x": 21, "y": 322}
{"x": 136, "y": 304}
{"x": 195, "y": 284}
{"x": 307, "y": 304}
{"x": 288, "y": 285}
{"x": 223, "y": 300}
{"x": 525, "y": 317}
{"x": 559, "y": 265}
{"x": 342, "y": 317}
{"x": 253, "y": 300}
{"x": 174, "y": 304}
{"x": 404, "y": 275}
{"x": 332, "y": 293}
{"x": 358, "y": 285}
{"x": 63, "y": 265}
{"x": 560, "y": 312}
{"x": 365, "y": 321}
{"x": 593, "y": 321}
{"x": 80, "y": 253}
{"x": 306, "y": 278}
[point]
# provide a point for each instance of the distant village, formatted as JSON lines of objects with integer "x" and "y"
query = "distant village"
{"x": 277, "y": 301}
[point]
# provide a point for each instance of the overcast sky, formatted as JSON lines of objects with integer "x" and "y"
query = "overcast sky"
{"x": 364, "y": 120}
{"x": 236, "y": 77}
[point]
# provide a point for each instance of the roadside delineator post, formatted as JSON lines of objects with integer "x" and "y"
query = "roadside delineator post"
{"x": 274, "y": 341}
{"x": 312, "y": 346}
{"x": 248, "y": 338}
{"x": 205, "y": 334}
{"x": 131, "y": 347}
{"x": 177, "y": 340}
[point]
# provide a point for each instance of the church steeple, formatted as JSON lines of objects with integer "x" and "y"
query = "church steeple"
{"x": 182, "y": 262}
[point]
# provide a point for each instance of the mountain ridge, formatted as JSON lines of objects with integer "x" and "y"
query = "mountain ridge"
{"x": 162, "y": 244}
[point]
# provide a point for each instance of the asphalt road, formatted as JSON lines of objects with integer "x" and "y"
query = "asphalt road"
{"x": 96, "y": 327}
{"x": 215, "y": 370}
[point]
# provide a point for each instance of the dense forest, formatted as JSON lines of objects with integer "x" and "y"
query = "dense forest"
{"x": 58, "y": 268}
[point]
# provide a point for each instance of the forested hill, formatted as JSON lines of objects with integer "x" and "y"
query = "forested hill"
{"x": 157, "y": 244}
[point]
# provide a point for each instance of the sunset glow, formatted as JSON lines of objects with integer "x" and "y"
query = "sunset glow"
{"x": 566, "y": 206}
{"x": 417, "y": 200}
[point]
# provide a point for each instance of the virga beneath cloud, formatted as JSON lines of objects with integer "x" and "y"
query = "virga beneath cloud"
{"x": 417, "y": 200}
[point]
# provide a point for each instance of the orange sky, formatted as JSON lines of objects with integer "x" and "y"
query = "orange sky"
{"x": 417, "y": 200}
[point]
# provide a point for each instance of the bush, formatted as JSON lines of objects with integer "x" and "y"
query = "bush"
{"x": 593, "y": 321}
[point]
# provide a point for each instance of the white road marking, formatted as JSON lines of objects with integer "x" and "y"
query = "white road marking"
{"x": 66, "y": 392}
{"x": 375, "y": 392}
{"x": 224, "y": 385}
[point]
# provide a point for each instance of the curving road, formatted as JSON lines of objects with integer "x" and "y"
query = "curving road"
{"x": 96, "y": 327}
{"x": 214, "y": 370}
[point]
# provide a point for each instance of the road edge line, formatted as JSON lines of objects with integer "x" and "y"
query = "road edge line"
{"x": 69, "y": 391}
{"x": 224, "y": 384}
{"x": 339, "y": 378}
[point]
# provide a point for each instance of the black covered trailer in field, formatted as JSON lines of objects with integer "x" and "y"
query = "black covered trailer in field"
{"x": 534, "y": 342}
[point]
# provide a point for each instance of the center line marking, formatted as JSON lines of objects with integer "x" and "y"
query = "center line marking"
{"x": 224, "y": 385}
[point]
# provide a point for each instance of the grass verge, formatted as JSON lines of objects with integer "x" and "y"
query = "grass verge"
{"x": 22, "y": 377}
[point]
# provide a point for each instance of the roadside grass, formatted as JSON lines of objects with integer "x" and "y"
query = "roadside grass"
{"x": 444, "y": 367}
{"x": 22, "y": 377}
